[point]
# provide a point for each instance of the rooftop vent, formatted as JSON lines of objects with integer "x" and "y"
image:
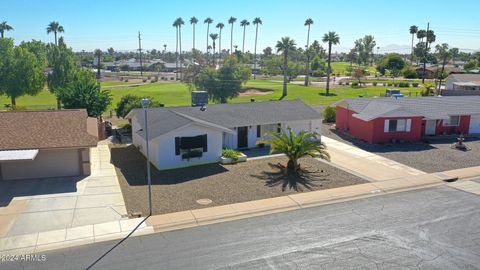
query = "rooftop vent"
{"x": 199, "y": 98}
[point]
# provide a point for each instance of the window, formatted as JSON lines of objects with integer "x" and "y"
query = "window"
{"x": 259, "y": 131}
{"x": 398, "y": 125}
{"x": 452, "y": 121}
{"x": 189, "y": 147}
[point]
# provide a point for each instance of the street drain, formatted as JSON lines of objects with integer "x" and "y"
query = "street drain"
{"x": 204, "y": 201}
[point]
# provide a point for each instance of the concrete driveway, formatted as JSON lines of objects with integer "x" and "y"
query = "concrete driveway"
{"x": 366, "y": 164}
{"x": 37, "y": 205}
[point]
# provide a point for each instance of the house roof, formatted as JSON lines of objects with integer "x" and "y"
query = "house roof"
{"x": 427, "y": 107}
{"x": 21, "y": 130}
{"x": 226, "y": 116}
{"x": 465, "y": 77}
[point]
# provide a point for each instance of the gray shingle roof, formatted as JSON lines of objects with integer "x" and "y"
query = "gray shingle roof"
{"x": 465, "y": 77}
{"x": 227, "y": 115}
{"x": 428, "y": 107}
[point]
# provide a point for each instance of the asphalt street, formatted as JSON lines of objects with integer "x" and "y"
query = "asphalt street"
{"x": 435, "y": 228}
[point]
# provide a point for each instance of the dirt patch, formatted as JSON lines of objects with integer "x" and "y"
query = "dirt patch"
{"x": 180, "y": 189}
{"x": 253, "y": 91}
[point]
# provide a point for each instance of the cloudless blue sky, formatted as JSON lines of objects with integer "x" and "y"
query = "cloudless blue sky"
{"x": 114, "y": 23}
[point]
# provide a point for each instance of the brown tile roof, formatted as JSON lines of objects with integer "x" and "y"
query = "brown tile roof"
{"x": 44, "y": 129}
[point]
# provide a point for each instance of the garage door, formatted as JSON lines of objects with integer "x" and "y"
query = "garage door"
{"x": 48, "y": 163}
{"x": 474, "y": 124}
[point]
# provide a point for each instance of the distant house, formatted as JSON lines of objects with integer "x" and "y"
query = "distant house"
{"x": 430, "y": 71}
{"x": 185, "y": 136}
{"x": 382, "y": 120}
{"x": 44, "y": 144}
{"x": 462, "y": 84}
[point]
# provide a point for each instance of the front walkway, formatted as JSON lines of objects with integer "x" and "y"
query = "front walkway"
{"x": 365, "y": 164}
{"x": 38, "y": 205}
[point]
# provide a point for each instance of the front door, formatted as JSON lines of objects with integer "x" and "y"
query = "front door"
{"x": 242, "y": 137}
{"x": 430, "y": 127}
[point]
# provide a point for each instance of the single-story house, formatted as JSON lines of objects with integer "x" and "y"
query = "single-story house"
{"x": 185, "y": 136}
{"x": 431, "y": 71}
{"x": 382, "y": 120}
{"x": 462, "y": 84}
{"x": 44, "y": 144}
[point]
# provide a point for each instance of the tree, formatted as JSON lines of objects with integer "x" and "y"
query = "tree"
{"x": 369, "y": 44}
{"x": 220, "y": 27}
{"x": 129, "y": 102}
{"x": 193, "y": 22}
{"x": 454, "y": 52}
{"x": 21, "y": 73}
{"x": 231, "y": 21}
{"x": 296, "y": 146}
{"x": 214, "y": 38}
{"x": 110, "y": 51}
{"x": 307, "y": 23}
{"x": 285, "y": 46}
{"x": 393, "y": 63}
{"x": 359, "y": 73}
{"x": 244, "y": 23}
{"x": 4, "y": 27}
{"x": 267, "y": 51}
{"x": 178, "y": 53}
{"x": 444, "y": 54}
{"x": 413, "y": 31}
{"x": 224, "y": 83}
{"x": 62, "y": 63}
{"x": 421, "y": 34}
{"x": 208, "y": 21}
{"x": 98, "y": 55}
{"x": 257, "y": 21}
{"x": 332, "y": 39}
{"x": 85, "y": 93}
{"x": 472, "y": 64}
{"x": 55, "y": 27}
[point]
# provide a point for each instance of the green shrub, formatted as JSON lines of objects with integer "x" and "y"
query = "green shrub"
{"x": 409, "y": 72}
{"x": 329, "y": 114}
{"x": 403, "y": 84}
{"x": 126, "y": 80}
{"x": 415, "y": 84}
{"x": 355, "y": 85}
{"x": 374, "y": 83}
{"x": 144, "y": 80}
{"x": 230, "y": 153}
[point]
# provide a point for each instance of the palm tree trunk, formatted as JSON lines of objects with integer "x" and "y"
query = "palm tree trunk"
{"x": 55, "y": 37}
{"x": 285, "y": 69}
{"x": 59, "y": 104}
{"x": 255, "y": 55}
{"x": 441, "y": 75}
{"x": 194, "y": 36}
{"x": 180, "y": 49}
{"x": 243, "y": 44}
{"x": 1, "y": 34}
{"x": 329, "y": 68}
{"x": 307, "y": 68}
{"x": 208, "y": 30}
{"x": 176, "y": 53}
{"x": 411, "y": 57}
{"x": 220, "y": 43}
{"x": 231, "y": 39}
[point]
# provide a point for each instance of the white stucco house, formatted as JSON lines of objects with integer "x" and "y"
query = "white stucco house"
{"x": 186, "y": 136}
{"x": 462, "y": 85}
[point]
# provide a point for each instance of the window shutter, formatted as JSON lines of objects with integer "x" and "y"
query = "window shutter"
{"x": 177, "y": 146}
{"x": 387, "y": 124}
{"x": 409, "y": 125}
{"x": 205, "y": 143}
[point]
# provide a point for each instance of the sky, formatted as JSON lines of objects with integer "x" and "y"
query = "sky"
{"x": 102, "y": 24}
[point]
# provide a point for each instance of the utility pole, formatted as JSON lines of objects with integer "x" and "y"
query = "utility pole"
{"x": 425, "y": 54}
{"x": 140, "y": 51}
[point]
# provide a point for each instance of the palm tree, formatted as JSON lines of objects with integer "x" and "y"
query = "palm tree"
{"x": 4, "y": 27}
{"x": 244, "y": 24}
{"x": 220, "y": 27}
{"x": 421, "y": 34}
{"x": 231, "y": 21}
{"x": 213, "y": 37}
{"x": 308, "y": 22}
{"x": 444, "y": 54}
{"x": 180, "y": 22}
{"x": 193, "y": 22}
{"x": 208, "y": 21}
{"x": 332, "y": 39}
{"x": 98, "y": 55}
{"x": 413, "y": 31}
{"x": 296, "y": 146}
{"x": 256, "y": 22}
{"x": 285, "y": 46}
{"x": 55, "y": 27}
{"x": 175, "y": 24}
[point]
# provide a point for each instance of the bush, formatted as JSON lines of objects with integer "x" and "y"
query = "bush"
{"x": 230, "y": 153}
{"x": 409, "y": 72}
{"x": 389, "y": 84}
{"x": 329, "y": 114}
{"x": 152, "y": 81}
{"x": 403, "y": 84}
{"x": 355, "y": 85}
{"x": 347, "y": 83}
{"x": 121, "y": 79}
{"x": 384, "y": 84}
{"x": 374, "y": 83}
{"x": 148, "y": 78}
{"x": 144, "y": 80}
{"x": 126, "y": 80}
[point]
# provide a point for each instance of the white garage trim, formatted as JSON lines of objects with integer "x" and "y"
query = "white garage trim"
{"x": 12, "y": 155}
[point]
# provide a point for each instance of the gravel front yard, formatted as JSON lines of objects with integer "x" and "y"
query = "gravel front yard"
{"x": 434, "y": 157}
{"x": 179, "y": 189}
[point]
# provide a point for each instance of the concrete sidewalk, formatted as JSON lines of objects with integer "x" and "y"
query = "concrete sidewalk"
{"x": 38, "y": 242}
{"x": 365, "y": 164}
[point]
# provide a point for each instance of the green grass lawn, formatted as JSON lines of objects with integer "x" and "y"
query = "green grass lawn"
{"x": 116, "y": 83}
{"x": 175, "y": 94}
{"x": 341, "y": 68}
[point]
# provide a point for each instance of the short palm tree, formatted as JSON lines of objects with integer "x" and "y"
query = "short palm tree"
{"x": 231, "y": 21}
{"x": 413, "y": 31}
{"x": 208, "y": 21}
{"x": 284, "y": 46}
{"x": 214, "y": 38}
{"x": 220, "y": 27}
{"x": 193, "y": 22}
{"x": 55, "y": 27}
{"x": 332, "y": 39}
{"x": 257, "y": 21}
{"x": 308, "y": 22}
{"x": 4, "y": 27}
{"x": 296, "y": 146}
{"x": 244, "y": 24}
